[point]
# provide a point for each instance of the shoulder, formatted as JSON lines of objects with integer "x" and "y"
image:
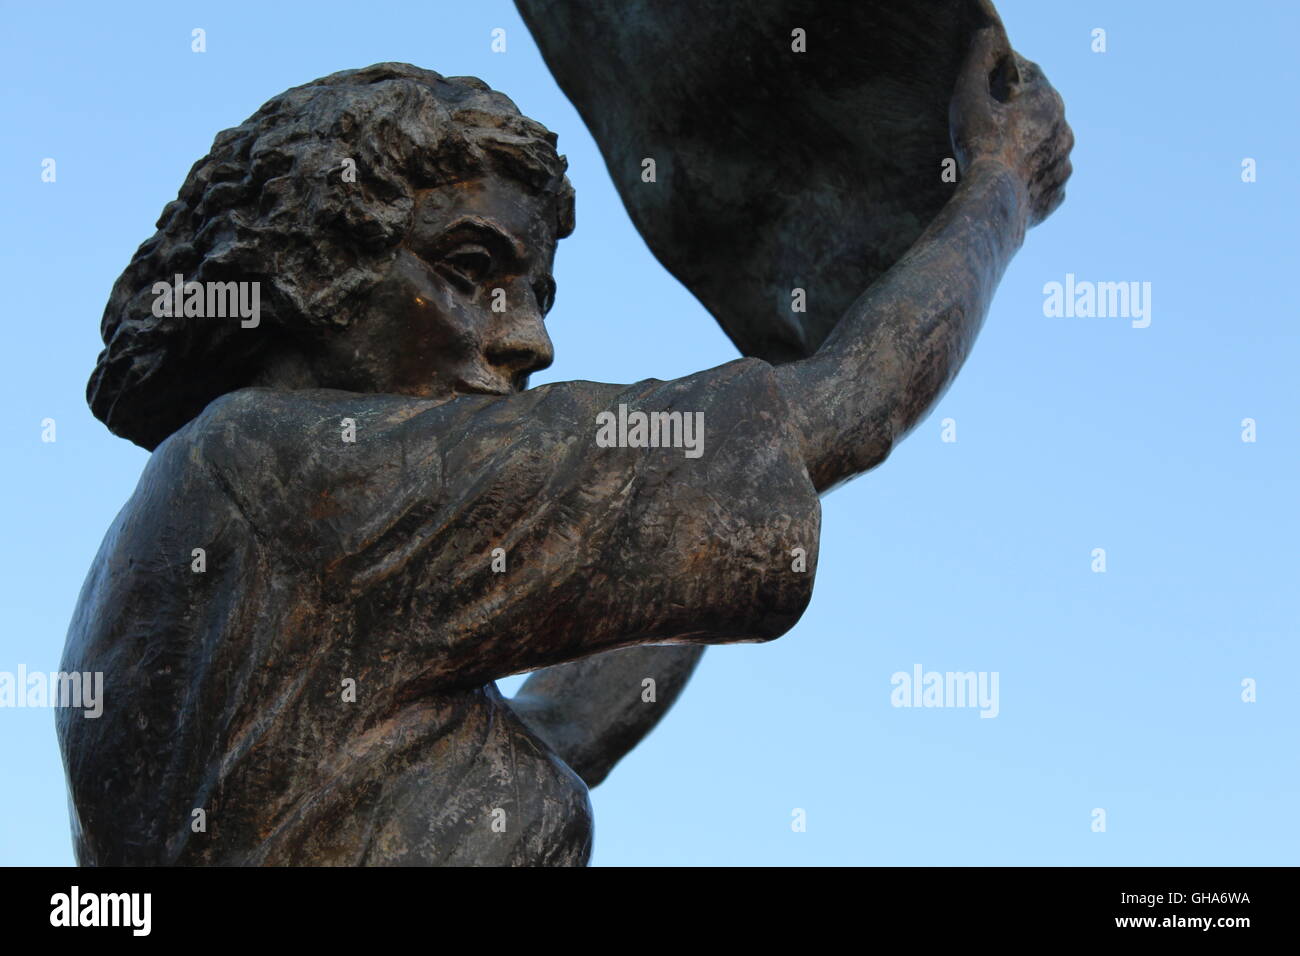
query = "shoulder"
{"x": 288, "y": 434}
{"x": 257, "y": 414}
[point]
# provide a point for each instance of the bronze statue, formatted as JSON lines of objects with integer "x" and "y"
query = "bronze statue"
{"x": 357, "y": 516}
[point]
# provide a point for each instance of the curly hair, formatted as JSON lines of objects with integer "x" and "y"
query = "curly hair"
{"x": 270, "y": 204}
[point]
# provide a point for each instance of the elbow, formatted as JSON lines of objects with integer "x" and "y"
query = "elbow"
{"x": 840, "y": 466}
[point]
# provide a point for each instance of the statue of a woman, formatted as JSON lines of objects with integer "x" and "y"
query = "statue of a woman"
{"x": 356, "y": 516}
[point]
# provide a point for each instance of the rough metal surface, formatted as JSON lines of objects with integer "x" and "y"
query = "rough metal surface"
{"x": 776, "y": 169}
{"x": 357, "y": 516}
{"x": 373, "y": 561}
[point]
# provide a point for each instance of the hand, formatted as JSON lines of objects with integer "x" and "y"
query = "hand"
{"x": 1004, "y": 110}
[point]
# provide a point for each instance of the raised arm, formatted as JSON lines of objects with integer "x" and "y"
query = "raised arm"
{"x": 888, "y": 360}
{"x": 902, "y": 342}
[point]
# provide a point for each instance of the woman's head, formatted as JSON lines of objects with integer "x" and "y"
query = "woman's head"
{"x": 400, "y": 226}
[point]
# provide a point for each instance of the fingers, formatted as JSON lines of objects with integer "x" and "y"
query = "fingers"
{"x": 989, "y": 46}
{"x": 990, "y": 66}
{"x": 1030, "y": 72}
{"x": 1067, "y": 141}
{"x": 1049, "y": 187}
{"x": 993, "y": 21}
{"x": 1053, "y": 203}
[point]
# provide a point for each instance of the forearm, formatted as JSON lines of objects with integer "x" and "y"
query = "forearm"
{"x": 593, "y": 711}
{"x": 900, "y": 344}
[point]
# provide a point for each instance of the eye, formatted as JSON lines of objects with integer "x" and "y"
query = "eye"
{"x": 468, "y": 264}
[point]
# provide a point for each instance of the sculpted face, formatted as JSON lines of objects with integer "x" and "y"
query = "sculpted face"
{"x": 461, "y": 310}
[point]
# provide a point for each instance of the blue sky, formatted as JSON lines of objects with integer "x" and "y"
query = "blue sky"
{"x": 1118, "y": 690}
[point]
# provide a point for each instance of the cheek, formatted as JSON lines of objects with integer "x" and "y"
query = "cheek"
{"x": 425, "y": 315}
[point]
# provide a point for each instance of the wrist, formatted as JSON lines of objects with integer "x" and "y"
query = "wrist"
{"x": 996, "y": 178}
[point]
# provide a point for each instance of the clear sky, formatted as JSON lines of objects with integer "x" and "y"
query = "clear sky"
{"x": 1119, "y": 690}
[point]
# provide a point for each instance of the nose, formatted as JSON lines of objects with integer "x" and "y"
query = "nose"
{"x": 520, "y": 346}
